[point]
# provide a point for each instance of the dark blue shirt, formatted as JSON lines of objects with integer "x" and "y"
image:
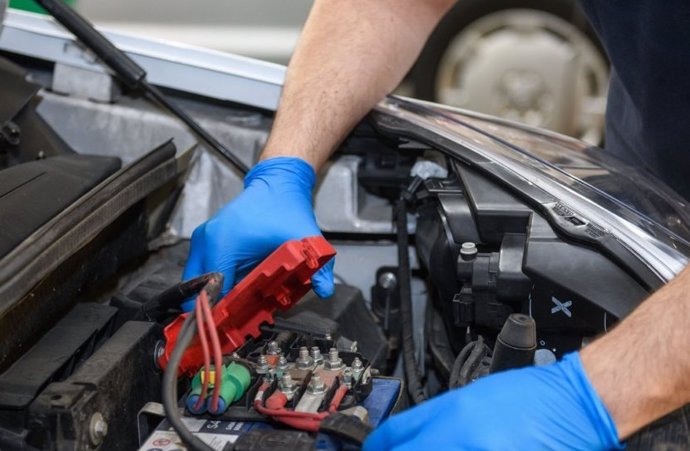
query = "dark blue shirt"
{"x": 648, "y": 113}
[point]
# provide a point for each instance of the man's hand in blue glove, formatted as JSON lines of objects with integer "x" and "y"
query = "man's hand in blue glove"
{"x": 275, "y": 206}
{"x": 550, "y": 407}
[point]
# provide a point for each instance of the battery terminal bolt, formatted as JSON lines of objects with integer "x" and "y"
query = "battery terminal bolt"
{"x": 281, "y": 367}
{"x": 304, "y": 360}
{"x": 316, "y": 355}
{"x": 357, "y": 368}
{"x": 273, "y": 348}
{"x": 316, "y": 385}
{"x": 347, "y": 377}
{"x": 334, "y": 361}
{"x": 287, "y": 385}
{"x": 263, "y": 366}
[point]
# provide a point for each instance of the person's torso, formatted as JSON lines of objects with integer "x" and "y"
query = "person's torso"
{"x": 648, "y": 113}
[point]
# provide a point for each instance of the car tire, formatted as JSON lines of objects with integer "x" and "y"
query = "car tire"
{"x": 425, "y": 74}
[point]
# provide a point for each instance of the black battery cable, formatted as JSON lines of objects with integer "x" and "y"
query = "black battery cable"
{"x": 187, "y": 333}
{"x": 410, "y": 366}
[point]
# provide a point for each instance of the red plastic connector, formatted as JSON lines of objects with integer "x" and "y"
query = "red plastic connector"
{"x": 278, "y": 282}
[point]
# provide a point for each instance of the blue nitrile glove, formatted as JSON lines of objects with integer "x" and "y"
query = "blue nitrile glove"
{"x": 275, "y": 206}
{"x": 551, "y": 407}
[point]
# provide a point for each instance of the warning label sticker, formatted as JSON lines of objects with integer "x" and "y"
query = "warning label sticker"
{"x": 216, "y": 433}
{"x": 169, "y": 441}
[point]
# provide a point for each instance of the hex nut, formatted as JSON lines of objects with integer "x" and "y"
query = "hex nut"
{"x": 304, "y": 361}
{"x": 316, "y": 384}
{"x": 334, "y": 362}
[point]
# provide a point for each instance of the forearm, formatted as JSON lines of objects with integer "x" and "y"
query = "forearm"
{"x": 641, "y": 369}
{"x": 350, "y": 55}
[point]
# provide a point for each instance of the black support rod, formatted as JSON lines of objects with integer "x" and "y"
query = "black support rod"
{"x": 129, "y": 72}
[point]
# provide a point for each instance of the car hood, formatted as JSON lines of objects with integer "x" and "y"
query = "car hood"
{"x": 590, "y": 195}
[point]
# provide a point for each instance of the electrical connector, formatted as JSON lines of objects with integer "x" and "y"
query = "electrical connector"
{"x": 277, "y": 283}
{"x": 236, "y": 381}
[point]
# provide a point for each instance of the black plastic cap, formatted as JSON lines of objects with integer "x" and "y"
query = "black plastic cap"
{"x": 519, "y": 332}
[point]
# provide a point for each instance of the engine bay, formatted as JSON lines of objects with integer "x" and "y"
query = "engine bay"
{"x": 443, "y": 275}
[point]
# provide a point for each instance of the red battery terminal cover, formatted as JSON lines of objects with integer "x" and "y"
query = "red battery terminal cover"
{"x": 278, "y": 282}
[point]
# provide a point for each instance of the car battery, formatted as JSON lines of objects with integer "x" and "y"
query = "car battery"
{"x": 224, "y": 434}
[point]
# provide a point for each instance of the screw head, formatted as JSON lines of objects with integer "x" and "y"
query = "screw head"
{"x": 158, "y": 352}
{"x": 388, "y": 281}
{"x": 98, "y": 428}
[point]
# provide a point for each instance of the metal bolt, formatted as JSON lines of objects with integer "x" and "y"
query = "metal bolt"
{"x": 316, "y": 385}
{"x": 334, "y": 362}
{"x": 158, "y": 352}
{"x": 388, "y": 281}
{"x": 263, "y": 365}
{"x": 282, "y": 363}
{"x": 286, "y": 380}
{"x": 286, "y": 384}
{"x": 357, "y": 368}
{"x": 98, "y": 429}
{"x": 316, "y": 355}
{"x": 468, "y": 251}
{"x": 273, "y": 348}
{"x": 281, "y": 367}
{"x": 347, "y": 377}
{"x": 235, "y": 355}
{"x": 304, "y": 361}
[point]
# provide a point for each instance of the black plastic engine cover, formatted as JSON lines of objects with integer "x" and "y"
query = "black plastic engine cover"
{"x": 33, "y": 193}
{"x": 24, "y": 135}
{"x": 522, "y": 264}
